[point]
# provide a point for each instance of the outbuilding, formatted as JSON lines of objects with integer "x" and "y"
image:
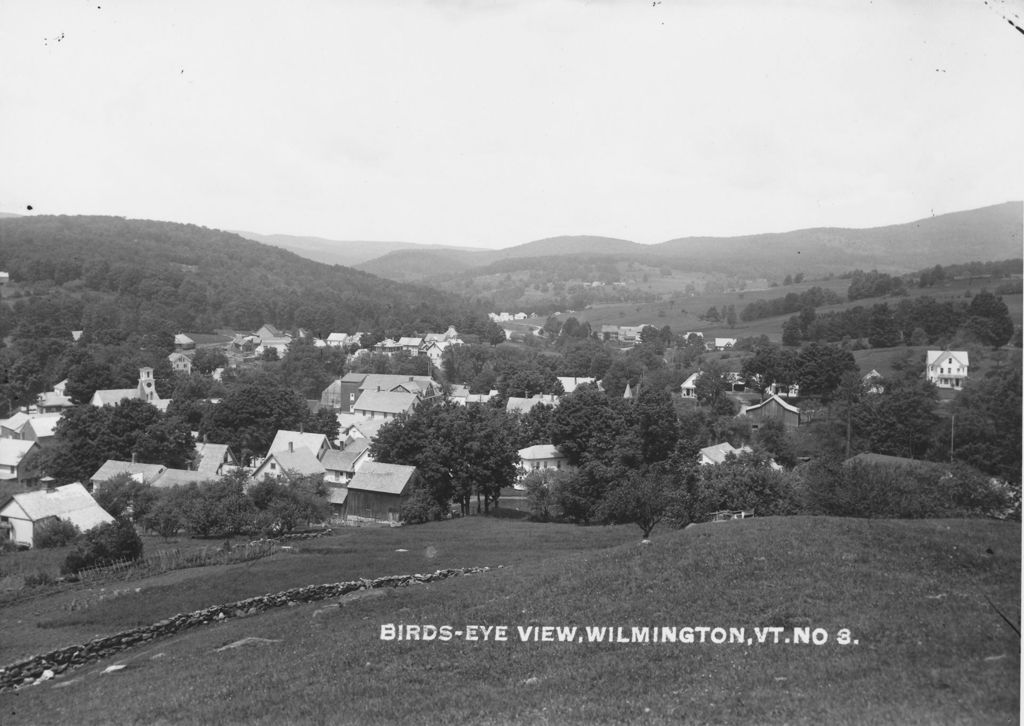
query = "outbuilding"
{"x": 377, "y": 492}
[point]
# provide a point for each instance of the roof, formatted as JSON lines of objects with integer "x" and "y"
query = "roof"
{"x": 525, "y": 405}
{"x": 302, "y": 461}
{"x": 71, "y": 502}
{"x": 691, "y": 382}
{"x": 337, "y": 337}
{"x": 716, "y": 454}
{"x": 12, "y": 451}
{"x": 336, "y": 495}
{"x": 541, "y": 451}
{"x": 297, "y": 439}
{"x": 113, "y": 467}
{"x": 353, "y": 377}
{"x": 788, "y": 406}
{"x": 113, "y": 396}
{"x": 179, "y": 477}
{"x": 570, "y": 383}
{"x": 345, "y": 460}
{"x": 49, "y": 399}
{"x": 410, "y": 342}
{"x": 211, "y": 456}
{"x": 16, "y": 422}
{"x": 385, "y": 402}
{"x": 44, "y": 424}
{"x": 960, "y": 355}
{"x": 182, "y": 339}
{"x": 382, "y": 478}
{"x": 387, "y": 381}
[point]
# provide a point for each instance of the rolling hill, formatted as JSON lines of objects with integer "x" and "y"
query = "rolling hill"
{"x": 126, "y": 275}
{"x": 338, "y": 252}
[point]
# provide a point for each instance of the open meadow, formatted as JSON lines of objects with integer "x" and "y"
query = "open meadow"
{"x": 916, "y": 600}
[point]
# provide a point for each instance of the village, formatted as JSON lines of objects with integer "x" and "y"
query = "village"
{"x": 358, "y": 489}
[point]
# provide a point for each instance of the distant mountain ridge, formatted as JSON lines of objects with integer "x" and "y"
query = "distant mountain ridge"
{"x": 337, "y": 252}
{"x": 988, "y": 233}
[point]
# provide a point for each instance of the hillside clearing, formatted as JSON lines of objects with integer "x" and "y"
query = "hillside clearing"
{"x": 912, "y": 593}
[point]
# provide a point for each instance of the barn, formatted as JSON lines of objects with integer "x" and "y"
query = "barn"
{"x": 773, "y": 409}
{"x": 378, "y": 491}
{"x": 22, "y": 512}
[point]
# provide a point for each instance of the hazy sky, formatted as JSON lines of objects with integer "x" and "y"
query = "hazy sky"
{"x": 496, "y": 123}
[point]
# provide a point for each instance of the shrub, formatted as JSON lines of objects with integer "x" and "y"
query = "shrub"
{"x": 55, "y": 532}
{"x": 104, "y": 544}
{"x": 912, "y": 491}
{"x": 745, "y": 482}
{"x": 421, "y": 507}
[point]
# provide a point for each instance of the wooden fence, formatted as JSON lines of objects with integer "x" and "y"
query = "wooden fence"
{"x": 176, "y": 559}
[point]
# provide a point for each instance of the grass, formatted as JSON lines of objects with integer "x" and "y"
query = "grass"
{"x": 351, "y": 553}
{"x": 930, "y": 648}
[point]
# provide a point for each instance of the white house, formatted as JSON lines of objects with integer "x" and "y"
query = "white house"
{"x": 342, "y": 465}
{"x": 947, "y": 368}
{"x": 689, "y": 387}
{"x": 12, "y": 460}
{"x": 22, "y": 512}
{"x": 290, "y": 440}
{"x": 540, "y": 457}
{"x": 571, "y": 383}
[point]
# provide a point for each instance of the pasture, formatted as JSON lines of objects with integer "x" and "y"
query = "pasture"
{"x": 916, "y": 600}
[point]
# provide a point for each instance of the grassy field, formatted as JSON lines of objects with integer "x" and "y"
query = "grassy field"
{"x": 929, "y": 648}
{"x": 80, "y": 613}
{"x": 683, "y": 314}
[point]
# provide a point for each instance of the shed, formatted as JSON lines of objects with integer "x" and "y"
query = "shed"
{"x": 378, "y": 491}
{"x": 72, "y": 503}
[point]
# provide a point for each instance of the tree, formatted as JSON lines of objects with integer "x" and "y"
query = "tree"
{"x": 87, "y": 436}
{"x": 730, "y": 316}
{"x": 711, "y": 388}
{"x": 820, "y": 368}
{"x": 207, "y": 360}
{"x": 989, "y": 319}
{"x": 648, "y": 496}
{"x": 657, "y": 429}
{"x": 104, "y": 544}
{"x": 123, "y": 496}
{"x": 585, "y": 425}
{"x": 883, "y": 331}
{"x": 791, "y": 331}
{"x": 251, "y": 414}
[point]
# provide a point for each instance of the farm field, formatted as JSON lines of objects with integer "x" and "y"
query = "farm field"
{"x": 917, "y": 598}
{"x": 684, "y": 314}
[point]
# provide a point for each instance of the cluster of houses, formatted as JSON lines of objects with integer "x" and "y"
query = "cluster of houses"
{"x": 431, "y": 345}
{"x": 359, "y": 488}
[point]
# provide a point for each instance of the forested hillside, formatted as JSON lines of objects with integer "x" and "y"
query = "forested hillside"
{"x": 135, "y": 275}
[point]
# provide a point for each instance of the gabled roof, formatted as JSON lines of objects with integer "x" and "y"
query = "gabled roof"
{"x": 408, "y": 342}
{"x": 525, "y": 405}
{"x": 788, "y": 406}
{"x": 43, "y": 424}
{"x": 113, "y": 396}
{"x": 179, "y": 477}
{"x": 716, "y": 454}
{"x": 385, "y": 402}
{"x": 71, "y": 502}
{"x": 113, "y": 467}
{"x": 382, "y": 478}
{"x": 12, "y": 451}
{"x": 388, "y": 381}
{"x": 345, "y": 460}
{"x": 691, "y": 382}
{"x": 541, "y": 451}
{"x": 570, "y": 383}
{"x": 961, "y": 357}
{"x": 182, "y": 339}
{"x": 302, "y": 461}
{"x": 211, "y": 456}
{"x": 337, "y": 337}
{"x": 297, "y": 439}
{"x": 16, "y": 422}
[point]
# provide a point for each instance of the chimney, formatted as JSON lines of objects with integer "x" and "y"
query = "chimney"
{"x": 49, "y": 482}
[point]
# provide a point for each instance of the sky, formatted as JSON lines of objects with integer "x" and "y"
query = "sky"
{"x": 491, "y": 124}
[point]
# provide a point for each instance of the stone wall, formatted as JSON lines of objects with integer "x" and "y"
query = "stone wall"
{"x": 43, "y": 667}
